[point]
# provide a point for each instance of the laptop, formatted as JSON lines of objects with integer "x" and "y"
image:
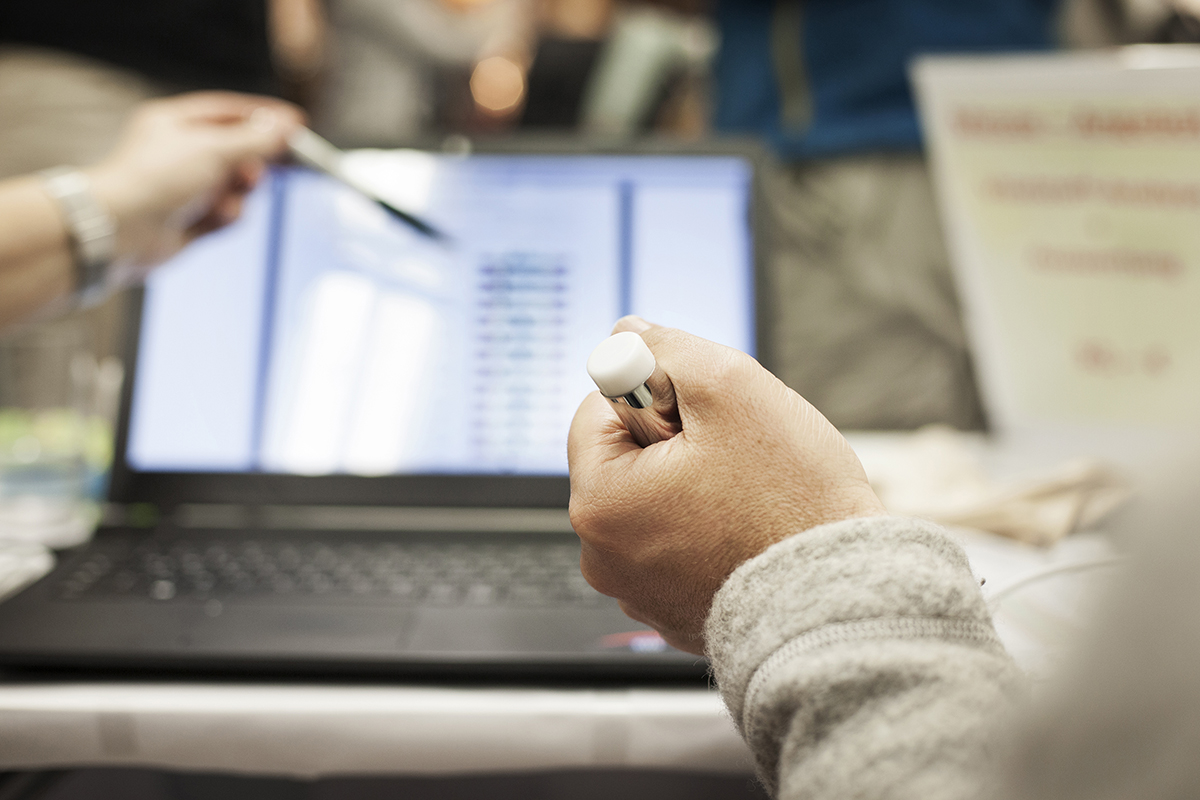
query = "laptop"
{"x": 342, "y": 445}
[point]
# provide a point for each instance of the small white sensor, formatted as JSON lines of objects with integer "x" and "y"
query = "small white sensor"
{"x": 620, "y": 366}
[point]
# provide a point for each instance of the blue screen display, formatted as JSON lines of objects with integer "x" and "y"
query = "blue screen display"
{"x": 320, "y": 335}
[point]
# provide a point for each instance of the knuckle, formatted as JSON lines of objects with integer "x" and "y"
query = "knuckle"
{"x": 730, "y": 367}
{"x": 711, "y": 364}
{"x": 665, "y": 339}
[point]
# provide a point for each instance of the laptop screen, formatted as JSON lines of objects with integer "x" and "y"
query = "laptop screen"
{"x": 319, "y": 335}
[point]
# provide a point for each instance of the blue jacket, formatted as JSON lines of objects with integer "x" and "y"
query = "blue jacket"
{"x": 850, "y": 92}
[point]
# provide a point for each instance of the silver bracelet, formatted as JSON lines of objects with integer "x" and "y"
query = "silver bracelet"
{"x": 92, "y": 229}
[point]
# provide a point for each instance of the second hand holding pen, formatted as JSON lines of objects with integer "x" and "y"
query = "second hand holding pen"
{"x": 626, "y": 373}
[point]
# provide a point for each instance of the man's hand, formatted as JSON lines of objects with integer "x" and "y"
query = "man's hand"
{"x": 183, "y": 167}
{"x": 663, "y": 527}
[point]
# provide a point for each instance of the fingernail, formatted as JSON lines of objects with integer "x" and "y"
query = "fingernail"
{"x": 263, "y": 119}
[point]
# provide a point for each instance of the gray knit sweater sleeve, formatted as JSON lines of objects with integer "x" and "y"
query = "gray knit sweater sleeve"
{"x": 858, "y": 659}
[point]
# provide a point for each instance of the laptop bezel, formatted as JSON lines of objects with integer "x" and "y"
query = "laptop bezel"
{"x": 167, "y": 490}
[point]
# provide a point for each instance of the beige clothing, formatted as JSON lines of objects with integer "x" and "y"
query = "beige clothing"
{"x": 865, "y": 320}
{"x": 859, "y": 661}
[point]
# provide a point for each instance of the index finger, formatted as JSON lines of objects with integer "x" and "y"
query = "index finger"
{"x": 227, "y": 107}
{"x": 632, "y": 322}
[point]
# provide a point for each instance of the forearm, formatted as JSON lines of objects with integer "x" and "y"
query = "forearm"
{"x": 36, "y": 262}
{"x": 859, "y": 660}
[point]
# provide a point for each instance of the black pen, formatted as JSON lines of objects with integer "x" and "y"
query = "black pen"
{"x": 313, "y": 151}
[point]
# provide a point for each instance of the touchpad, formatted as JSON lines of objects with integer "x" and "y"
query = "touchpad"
{"x": 515, "y": 630}
{"x": 302, "y": 631}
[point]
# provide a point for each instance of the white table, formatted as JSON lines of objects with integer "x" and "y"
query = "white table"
{"x": 321, "y": 730}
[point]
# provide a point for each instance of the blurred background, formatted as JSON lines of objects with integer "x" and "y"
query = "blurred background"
{"x": 864, "y": 317}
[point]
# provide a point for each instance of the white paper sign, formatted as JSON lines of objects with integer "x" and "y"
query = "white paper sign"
{"x": 1070, "y": 191}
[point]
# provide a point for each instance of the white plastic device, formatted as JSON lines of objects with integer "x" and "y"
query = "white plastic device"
{"x": 620, "y": 366}
{"x": 624, "y": 370}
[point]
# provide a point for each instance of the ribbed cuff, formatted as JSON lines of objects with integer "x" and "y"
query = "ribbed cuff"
{"x": 856, "y": 580}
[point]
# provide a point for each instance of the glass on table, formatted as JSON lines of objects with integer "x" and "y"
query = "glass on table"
{"x": 56, "y": 411}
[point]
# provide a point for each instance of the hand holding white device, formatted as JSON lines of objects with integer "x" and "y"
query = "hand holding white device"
{"x": 624, "y": 370}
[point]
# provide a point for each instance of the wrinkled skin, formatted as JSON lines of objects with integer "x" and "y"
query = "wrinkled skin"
{"x": 662, "y": 527}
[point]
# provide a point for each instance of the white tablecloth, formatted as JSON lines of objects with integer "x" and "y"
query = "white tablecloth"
{"x": 314, "y": 730}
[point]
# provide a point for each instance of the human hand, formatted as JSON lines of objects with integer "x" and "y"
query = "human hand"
{"x": 183, "y": 167}
{"x": 662, "y": 527}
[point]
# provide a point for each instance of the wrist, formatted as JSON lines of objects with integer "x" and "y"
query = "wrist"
{"x": 113, "y": 192}
{"x": 865, "y": 569}
{"x": 90, "y": 226}
{"x": 134, "y": 215}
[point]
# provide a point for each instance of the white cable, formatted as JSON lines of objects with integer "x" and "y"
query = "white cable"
{"x": 1057, "y": 569}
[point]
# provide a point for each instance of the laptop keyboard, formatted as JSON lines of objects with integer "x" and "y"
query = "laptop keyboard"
{"x": 416, "y": 573}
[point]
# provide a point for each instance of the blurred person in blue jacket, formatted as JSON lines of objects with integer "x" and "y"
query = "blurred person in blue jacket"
{"x": 867, "y": 323}
{"x": 822, "y": 78}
